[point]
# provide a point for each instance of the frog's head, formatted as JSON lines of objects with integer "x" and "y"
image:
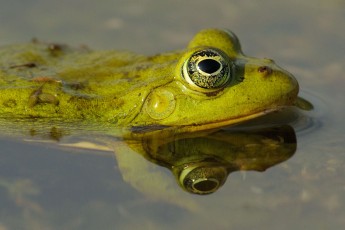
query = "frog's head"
{"x": 215, "y": 84}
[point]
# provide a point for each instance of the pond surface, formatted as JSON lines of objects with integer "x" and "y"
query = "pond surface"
{"x": 43, "y": 186}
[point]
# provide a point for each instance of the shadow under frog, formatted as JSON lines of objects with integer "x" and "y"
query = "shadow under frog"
{"x": 201, "y": 161}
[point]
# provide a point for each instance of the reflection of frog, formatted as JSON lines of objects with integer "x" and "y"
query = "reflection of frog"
{"x": 201, "y": 161}
{"x": 209, "y": 84}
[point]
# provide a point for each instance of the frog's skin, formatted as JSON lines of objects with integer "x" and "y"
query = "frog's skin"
{"x": 209, "y": 84}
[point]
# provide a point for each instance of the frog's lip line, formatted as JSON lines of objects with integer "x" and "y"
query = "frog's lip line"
{"x": 211, "y": 125}
{"x": 232, "y": 121}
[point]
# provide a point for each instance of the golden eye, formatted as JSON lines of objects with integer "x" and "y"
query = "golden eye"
{"x": 207, "y": 69}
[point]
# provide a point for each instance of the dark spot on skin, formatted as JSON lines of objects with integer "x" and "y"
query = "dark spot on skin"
{"x": 11, "y": 103}
{"x": 26, "y": 65}
{"x": 265, "y": 70}
{"x": 142, "y": 67}
{"x": 76, "y": 85}
{"x": 153, "y": 57}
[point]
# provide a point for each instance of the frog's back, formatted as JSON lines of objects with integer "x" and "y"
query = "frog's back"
{"x": 35, "y": 60}
{"x": 65, "y": 84}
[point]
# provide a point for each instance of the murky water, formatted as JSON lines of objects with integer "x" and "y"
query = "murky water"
{"x": 43, "y": 186}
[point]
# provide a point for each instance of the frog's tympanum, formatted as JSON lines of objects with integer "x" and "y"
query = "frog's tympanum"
{"x": 54, "y": 90}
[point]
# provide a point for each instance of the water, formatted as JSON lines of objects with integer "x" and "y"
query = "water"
{"x": 46, "y": 187}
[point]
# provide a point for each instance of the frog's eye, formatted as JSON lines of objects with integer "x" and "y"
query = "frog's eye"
{"x": 207, "y": 69}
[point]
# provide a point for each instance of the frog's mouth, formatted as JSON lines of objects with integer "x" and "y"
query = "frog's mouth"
{"x": 227, "y": 122}
{"x": 201, "y": 127}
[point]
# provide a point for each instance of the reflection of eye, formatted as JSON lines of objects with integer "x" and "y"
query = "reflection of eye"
{"x": 203, "y": 179}
{"x": 207, "y": 69}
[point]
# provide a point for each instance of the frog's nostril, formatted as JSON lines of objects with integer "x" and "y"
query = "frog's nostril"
{"x": 265, "y": 70}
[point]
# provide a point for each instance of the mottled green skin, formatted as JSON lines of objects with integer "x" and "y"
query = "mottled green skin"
{"x": 56, "y": 84}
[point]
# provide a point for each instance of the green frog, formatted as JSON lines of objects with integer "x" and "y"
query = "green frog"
{"x": 166, "y": 100}
{"x": 209, "y": 84}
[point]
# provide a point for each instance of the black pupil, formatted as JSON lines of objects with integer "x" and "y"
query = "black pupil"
{"x": 206, "y": 186}
{"x": 209, "y": 66}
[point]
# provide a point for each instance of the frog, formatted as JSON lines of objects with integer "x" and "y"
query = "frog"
{"x": 123, "y": 99}
{"x": 209, "y": 84}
